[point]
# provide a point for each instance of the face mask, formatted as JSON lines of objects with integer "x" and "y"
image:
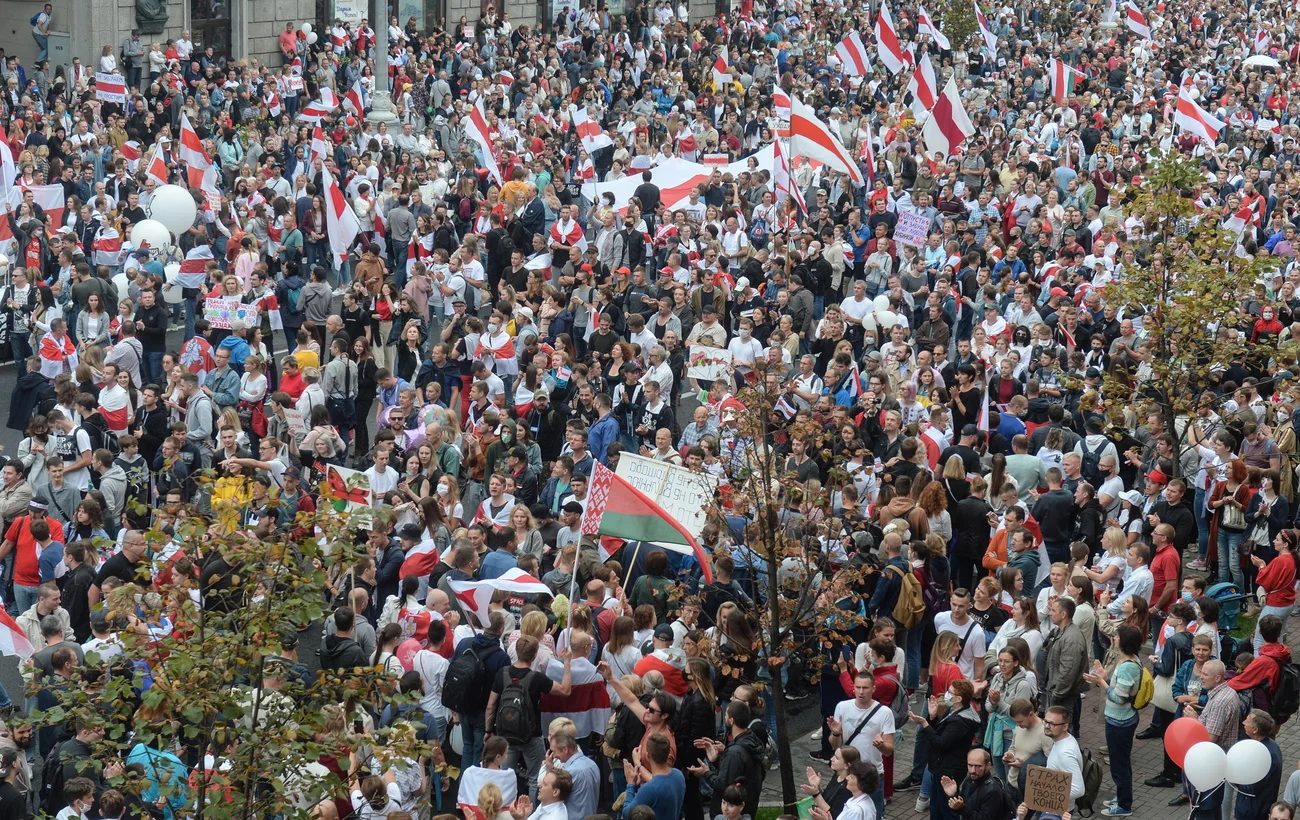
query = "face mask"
{"x": 947, "y": 698}
{"x": 443, "y": 489}
{"x": 507, "y": 437}
{"x": 744, "y": 334}
{"x": 1187, "y": 596}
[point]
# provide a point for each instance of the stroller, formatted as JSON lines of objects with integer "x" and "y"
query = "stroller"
{"x": 1230, "y": 600}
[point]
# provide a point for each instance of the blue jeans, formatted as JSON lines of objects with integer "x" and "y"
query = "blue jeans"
{"x": 1202, "y": 525}
{"x": 472, "y": 728}
{"x": 151, "y": 369}
{"x": 912, "y": 651}
{"x": 43, "y": 43}
{"x": 1229, "y": 559}
{"x": 1119, "y": 742}
{"x": 191, "y": 305}
{"x": 1257, "y": 641}
{"x": 24, "y": 597}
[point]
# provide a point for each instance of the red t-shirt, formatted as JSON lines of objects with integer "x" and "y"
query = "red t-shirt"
{"x": 27, "y": 553}
{"x": 1164, "y": 569}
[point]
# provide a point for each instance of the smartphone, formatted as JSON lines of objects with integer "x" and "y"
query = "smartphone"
{"x": 357, "y": 727}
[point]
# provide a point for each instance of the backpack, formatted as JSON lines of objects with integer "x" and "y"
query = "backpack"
{"x": 1146, "y": 689}
{"x": 1011, "y": 796}
{"x": 465, "y": 208}
{"x": 1091, "y": 784}
{"x": 909, "y": 609}
{"x": 900, "y": 707}
{"x": 516, "y": 720}
{"x": 293, "y": 299}
{"x": 1091, "y": 466}
{"x": 52, "y": 801}
{"x": 35, "y": 18}
{"x": 1286, "y": 700}
{"x": 465, "y": 689}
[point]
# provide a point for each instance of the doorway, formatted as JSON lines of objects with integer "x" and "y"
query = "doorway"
{"x": 210, "y": 26}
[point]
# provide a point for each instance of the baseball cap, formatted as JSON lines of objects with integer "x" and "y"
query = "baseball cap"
{"x": 624, "y": 269}
{"x": 524, "y": 311}
{"x": 1157, "y": 476}
{"x": 572, "y": 507}
{"x": 970, "y": 430}
{"x": 1057, "y": 292}
{"x": 1133, "y": 497}
{"x": 37, "y": 505}
{"x": 541, "y": 394}
{"x": 292, "y": 472}
{"x": 410, "y": 532}
{"x": 664, "y": 632}
{"x": 458, "y": 300}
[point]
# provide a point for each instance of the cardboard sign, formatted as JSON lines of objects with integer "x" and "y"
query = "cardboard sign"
{"x": 684, "y": 495}
{"x": 911, "y": 230}
{"x": 222, "y": 312}
{"x": 708, "y": 363}
{"x": 297, "y": 424}
{"x": 1047, "y": 790}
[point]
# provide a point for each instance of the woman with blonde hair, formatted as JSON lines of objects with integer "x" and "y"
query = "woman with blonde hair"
{"x": 954, "y": 479}
{"x": 528, "y": 538}
{"x": 1107, "y": 572}
{"x": 621, "y": 651}
{"x": 533, "y": 624}
{"x": 491, "y": 804}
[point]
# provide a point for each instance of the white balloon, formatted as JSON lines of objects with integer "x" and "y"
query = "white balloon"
{"x": 312, "y": 38}
{"x": 1248, "y": 762}
{"x": 173, "y": 206}
{"x": 457, "y": 740}
{"x": 881, "y": 302}
{"x": 1205, "y": 765}
{"x": 151, "y": 231}
{"x": 886, "y": 319}
{"x": 173, "y": 293}
{"x": 306, "y": 28}
{"x": 123, "y": 285}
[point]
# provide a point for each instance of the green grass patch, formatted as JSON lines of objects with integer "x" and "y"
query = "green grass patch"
{"x": 1245, "y": 626}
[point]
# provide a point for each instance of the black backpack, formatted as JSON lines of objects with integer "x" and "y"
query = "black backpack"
{"x": 52, "y": 782}
{"x": 1286, "y": 700}
{"x": 516, "y": 719}
{"x": 465, "y": 689}
{"x": 1091, "y": 784}
{"x": 1090, "y": 467}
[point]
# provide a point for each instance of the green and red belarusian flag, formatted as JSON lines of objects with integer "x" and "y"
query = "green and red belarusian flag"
{"x": 1064, "y": 77}
{"x": 616, "y": 508}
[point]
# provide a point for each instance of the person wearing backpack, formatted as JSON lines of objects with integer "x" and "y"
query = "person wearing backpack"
{"x": 1122, "y": 686}
{"x": 1271, "y": 672}
{"x": 514, "y": 708}
{"x": 1092, "y": 448}
{"x": 288, "y": 292}
{"x": 475, "y": 665}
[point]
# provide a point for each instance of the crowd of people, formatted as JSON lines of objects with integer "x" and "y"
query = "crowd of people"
{"x": 990, "y": 532}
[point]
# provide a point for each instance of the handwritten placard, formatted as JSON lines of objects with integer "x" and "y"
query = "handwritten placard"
{"x": 296, "y": 422}
{"x": 221, "y": 313}
{"x": 911, "y": 230}
{"x": 708, "y": 363}
{"x": 1047, "y": 790}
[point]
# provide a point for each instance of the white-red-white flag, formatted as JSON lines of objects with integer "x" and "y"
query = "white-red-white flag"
{"x": 926, "y": 25}
{"x": 589, "y": 131}
{"x": 986, "y": 31}
{"x": 948, "y": 126}
{"x": 341, "y": 222}
{"x": 131, "y": 153}
{"x": 780, "y": 103}
{"x": 1136, "y": 20}
{"x": 319, "y": 150}
{"x": 356, "y": 98}
{"x": 1196, "y": 120}
{"x": 1064, "y": 77}
{"x": 1262, "y": 40}
{"x": 783, "y": 181}
{"x": 853, "y": 55}
{"x": 155, "y": 168}
{"x": 194, "y": 267}
{"x": 476, "y": 128}
{"x": 13, "y": 641}
{"x": 811, "y": 138}
{"x": 890, "y": 51}
{"x": 721, "y": 71}
{"x": 923, "y": 87}
{"x": 316, "y": 110}
{"x": 868, "y": 152}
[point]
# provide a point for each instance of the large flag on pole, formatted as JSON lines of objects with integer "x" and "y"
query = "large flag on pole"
{"x": 852, "y": 54}
{"x": 589, "y": 131}
{"x": 341, "y": 222}
{"x": 924, "y": 87}
{"x": 925, "y": 23}
{"x": 316, "y": 110}
{"x": 810, "y": 138}
{"x": 986, "y": 31}
{"x": 948, "y": 126}
{"x": 615, "y": 507}
{"x": 1196, "y": 120}
{"x": 888, "y": 48}
{"x": 476, "y": 128}
{"x": 13, "y": 641}
{"x": 782, "y": 183}
{"x": 1136, "y": 20}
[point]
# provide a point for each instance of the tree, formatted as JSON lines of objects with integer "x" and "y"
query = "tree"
{"x": 957, "y": 21}
{"x": 1190, "y": 288}
{"x": 789, "y": 556}
{"x": 196, "y": 679}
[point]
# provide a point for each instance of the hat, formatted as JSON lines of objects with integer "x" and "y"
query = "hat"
{"x": 585, "y": 267}
{"x": 458, "y": 300}
{"x": 141, "y": 252}
{"x": 37, "y": 505}
{"x": 1157, "y": 476}
{"x": 292, "y": 472}
{"x": 742, "y": 283}
{"x": 666, "y": 269}
{"x": 1057, "y": 292}
{"x": 410, "y": 532}
{"x": 991, "y": 306}
{"x": 970, "y": 430}
{"x": 67, "y": 229}
{"x": 1132, "y": 496}
{"x": 876, "y": 356}
{"x": 623, "y": 269}
{"x": 664, "y": 632}
{"x": 524, "y": 311}
{"x": 710, "y": 308}
{"x": 266, "y": 512}
{"x": 541, "y": 394}
{"x": 572, "y": 507}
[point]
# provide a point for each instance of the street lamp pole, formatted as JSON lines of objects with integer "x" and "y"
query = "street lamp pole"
{"x": 381, "y": 102}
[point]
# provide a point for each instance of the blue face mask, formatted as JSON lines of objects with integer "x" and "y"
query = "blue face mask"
{"x": 1187, "y": 596}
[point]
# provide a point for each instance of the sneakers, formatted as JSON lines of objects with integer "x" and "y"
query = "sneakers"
{"x": 1116, "y": 811}
{"x": 907, "y": 784}
{"x": 817, "y": 735}
{"x": 817, "y": 756}
{"x": 340, "y": 291}
{"x": 1196, "y": 563}
{"x": 923, "y": 805}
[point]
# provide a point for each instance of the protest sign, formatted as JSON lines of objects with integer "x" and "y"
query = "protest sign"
{"x": 1047, "y": 790}
{"x": 707, "y": 363}
{"x": 220, "y": 313}
{"x": 912, "y": 229}
{"x": 683, "y": 494}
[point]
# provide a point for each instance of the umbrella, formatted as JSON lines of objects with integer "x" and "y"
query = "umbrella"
{"x": 1262, "y": 60}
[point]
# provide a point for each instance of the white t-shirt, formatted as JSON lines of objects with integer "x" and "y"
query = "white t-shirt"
{"x": 879, "y": 722}
{"x": 1066, "y": 757}
{"x": 381, "y": 483}
{"x": 433, "y": 671}
{"x": 974, "y": 647}
{"x": 457, "y": 284}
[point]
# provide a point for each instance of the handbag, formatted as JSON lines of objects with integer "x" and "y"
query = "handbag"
{"x": 1234, "y": 517}
{"x": 1163, "y": 698}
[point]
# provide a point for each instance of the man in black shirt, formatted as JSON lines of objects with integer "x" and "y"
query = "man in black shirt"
{"x": 527, "y": 740}
{"x": 124, "y": 566}
{"x": 648, "y": 194}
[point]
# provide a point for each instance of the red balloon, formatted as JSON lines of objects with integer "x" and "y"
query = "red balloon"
{"x": 1182, "y": 735}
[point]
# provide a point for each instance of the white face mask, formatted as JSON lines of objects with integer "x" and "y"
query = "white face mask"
{"x": 947, "y": 698}
{"x": 744, "y": 334}
{"x": 443, "y": 489}
{"x": 493, "y": 328}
